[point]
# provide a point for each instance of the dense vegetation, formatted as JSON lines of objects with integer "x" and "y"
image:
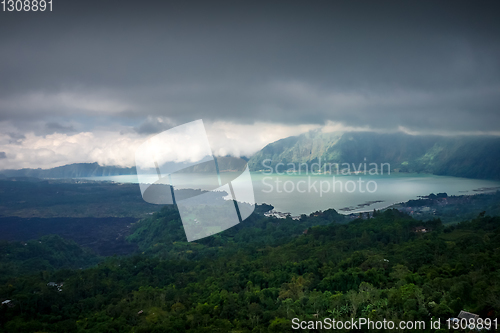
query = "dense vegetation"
{"x": 452, "y": 209}
{"x": 249, "y": 280}
{"x": 49, "y": 253}
{"x": 477, "y": 157}
{"x": 105, "y": 236}
{"x": 156, "y": 234}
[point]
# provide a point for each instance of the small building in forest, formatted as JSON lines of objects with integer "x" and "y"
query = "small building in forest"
{"x": 421, "y": 229}
{"x": 467, "y": 315}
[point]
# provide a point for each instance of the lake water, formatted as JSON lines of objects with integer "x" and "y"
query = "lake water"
{"x": 304, "y": 194}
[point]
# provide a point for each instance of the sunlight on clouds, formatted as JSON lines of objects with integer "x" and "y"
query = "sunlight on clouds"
{"x": 114, "y": 148}
{"x": 186, "y": 143}
{"x": 106, "y": 148}
{"x": 238, "y": 140}
{"x": 118, "y": 147}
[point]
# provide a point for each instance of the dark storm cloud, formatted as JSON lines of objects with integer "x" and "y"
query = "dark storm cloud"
{"x": 420, "y": 65}
{"x": 153, "y": 125}
{"x": 2, "y": 155}
{"x": 16, "y": 138}
{"x": 53, "y": 127}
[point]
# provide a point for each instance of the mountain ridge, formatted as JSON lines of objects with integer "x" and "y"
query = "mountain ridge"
{"x": 461, "y": 156}
{"x": 73, "y": 170}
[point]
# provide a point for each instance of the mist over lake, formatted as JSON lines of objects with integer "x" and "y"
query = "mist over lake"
{"x": 304, "y": 194}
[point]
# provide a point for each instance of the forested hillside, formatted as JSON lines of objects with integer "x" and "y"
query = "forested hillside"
{"x": 164, "y": 234}
{"x": 473, "y": 157}
{"x": 47, "y": 253}
{"x": 382, "y": 267}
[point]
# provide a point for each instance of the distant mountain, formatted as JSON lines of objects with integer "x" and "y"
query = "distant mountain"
{"x": 465, "y": 156}
{"x": 76, "y": 170}
{"x": 71, "y": 171}
{"x": 472, "y": 157}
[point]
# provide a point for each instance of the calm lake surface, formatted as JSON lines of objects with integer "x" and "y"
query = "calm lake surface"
{"x": 304, "y": 194}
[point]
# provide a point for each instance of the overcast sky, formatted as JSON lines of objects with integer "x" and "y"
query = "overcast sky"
{"x": 91, "y": 80}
